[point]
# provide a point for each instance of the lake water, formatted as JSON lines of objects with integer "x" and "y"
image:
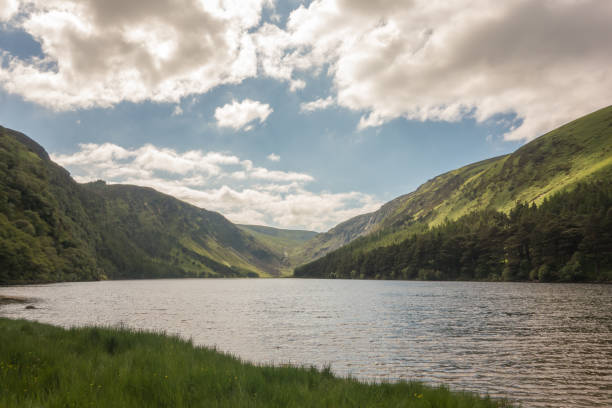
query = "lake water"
{"x": 536, "y": 344}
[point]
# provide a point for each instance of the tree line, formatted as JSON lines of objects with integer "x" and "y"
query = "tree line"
{"x": 567, "y": 238}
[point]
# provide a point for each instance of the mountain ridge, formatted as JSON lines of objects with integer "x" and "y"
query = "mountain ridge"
{"x": 581, "y": 148}
{"x": 55, "y": 229}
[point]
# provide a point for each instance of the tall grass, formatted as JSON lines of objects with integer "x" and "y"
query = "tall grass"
{"x": 47, "y": 366}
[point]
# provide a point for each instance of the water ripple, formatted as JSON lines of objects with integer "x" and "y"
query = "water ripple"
{"x": 540, "y": 345}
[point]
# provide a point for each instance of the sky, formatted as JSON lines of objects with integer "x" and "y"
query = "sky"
{"x": 295, "y": 114}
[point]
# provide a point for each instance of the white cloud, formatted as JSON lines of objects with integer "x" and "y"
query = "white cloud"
{"x": 8, "y": 8}
{"x": 317, "y": 104}
{"x": 297, "y": 209}
{"x": 547, "y": 61}
{"x": 100, "y": 53}
{"x": 296, "y": 85}
{"x": 147, "y": 159}
{"x": 240, "y": 190}
{"x": 273, "y": 157}
{"x": 274, "y": 175}
{"x": 178, "y": 111}
{"x": 238, "y": 115}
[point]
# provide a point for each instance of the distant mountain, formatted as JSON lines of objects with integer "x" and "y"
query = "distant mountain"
{"x": 54, "y": 229}
{"x": 580, "y": 151}
{"x": 284, "y": 243}
{"x": 565, "y": 238}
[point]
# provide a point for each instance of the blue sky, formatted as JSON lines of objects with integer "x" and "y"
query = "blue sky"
{"x": 211, "y": 103}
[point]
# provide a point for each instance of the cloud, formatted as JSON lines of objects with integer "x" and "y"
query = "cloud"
{"x": 296, "y": 85}
{"x": 240, "y": 190}
{"x": 178, "y": 111}
{"x": 317, "y": 104}
{"x": 100, "y": 53}
{"x": 8, "y": 8}
{"x": 273, "y": 157}
{"x": 237, "y": 115}
{"x": 297, "y": 209}
{"x": 546, "y": 61}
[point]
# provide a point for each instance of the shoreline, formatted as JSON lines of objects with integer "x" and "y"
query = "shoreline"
{"x": 25, "y": 284}
{"x": 7, "y": 300}
{"x": 46, "y": 365}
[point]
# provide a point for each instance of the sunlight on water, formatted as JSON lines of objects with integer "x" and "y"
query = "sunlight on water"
{"x": 537, "y": 344}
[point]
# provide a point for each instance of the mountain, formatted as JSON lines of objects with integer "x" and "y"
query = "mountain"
{"x": 342, "y": 234}
{"x": 54, "y": 229}
{"x": 579, "y": 151}
{"x": 566, "y": 238}
{"x": 284, "y": 243}
{"x": 139, "y": 227}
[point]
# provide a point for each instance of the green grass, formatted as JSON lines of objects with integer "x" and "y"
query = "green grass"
{"x": 46, "y": 366}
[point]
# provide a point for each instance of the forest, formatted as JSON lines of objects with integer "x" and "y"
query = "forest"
{"x": 567, "y": 238}
{"x": 53, "y": 229}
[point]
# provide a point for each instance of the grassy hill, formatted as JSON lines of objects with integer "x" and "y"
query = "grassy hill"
{"x": 140, "y": 227}
{"x": 54, "y": 229}
{"x": 580, "y": 151}
{"x": 566, "y": 238}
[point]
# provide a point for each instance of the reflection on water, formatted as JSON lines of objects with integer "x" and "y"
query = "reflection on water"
{"x": 538, "y": 344}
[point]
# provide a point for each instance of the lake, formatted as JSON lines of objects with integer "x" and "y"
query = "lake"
{"x": 536, "y": 344}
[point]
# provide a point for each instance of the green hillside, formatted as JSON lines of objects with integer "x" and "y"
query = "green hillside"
{"x": 54, "y": 229}
{"x": 566, "y": 238}
{"x": 284, "y": 243}
{"x": 140, "y": 227}
{"x": 580, "y": 151}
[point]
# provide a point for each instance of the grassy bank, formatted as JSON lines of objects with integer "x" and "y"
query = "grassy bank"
{"x": 42, "y": 365}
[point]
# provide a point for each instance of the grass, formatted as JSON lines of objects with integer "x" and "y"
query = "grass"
{"x": 43, "y": 365}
